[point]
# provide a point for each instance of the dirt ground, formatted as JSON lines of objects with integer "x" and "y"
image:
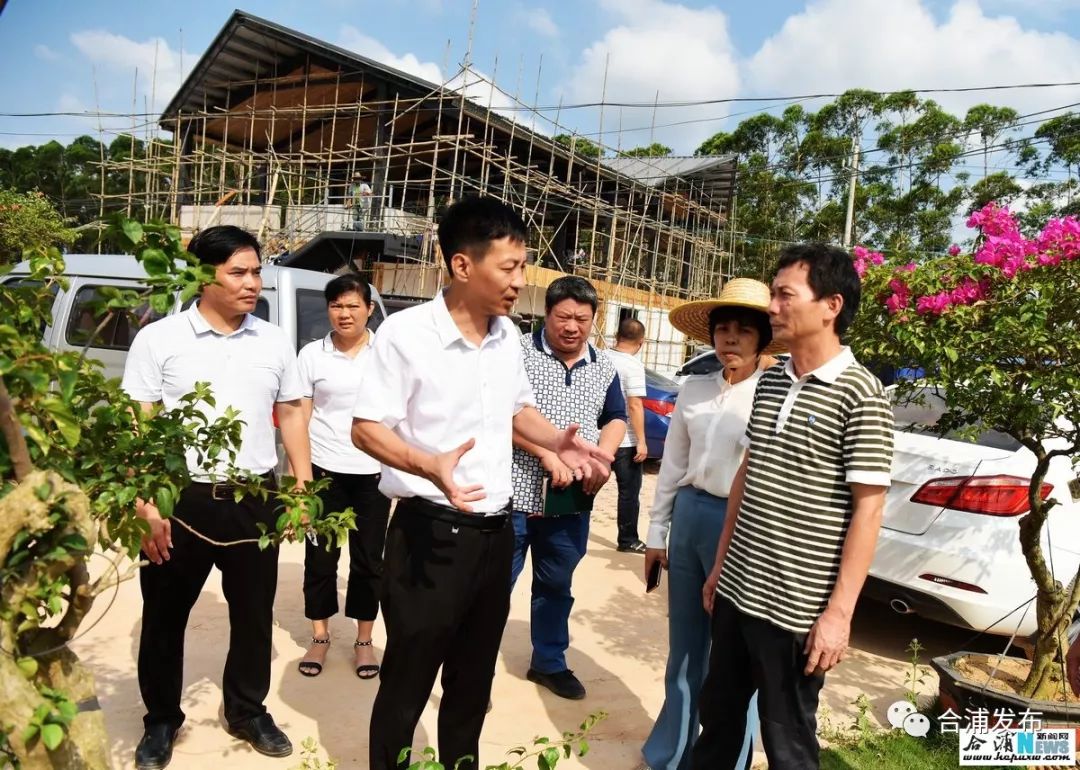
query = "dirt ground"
{"x": 618, "y": 649}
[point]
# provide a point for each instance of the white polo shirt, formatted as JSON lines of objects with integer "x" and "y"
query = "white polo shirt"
{"x": 249, "y": 370}
{"x": 331, "y": 380}
{"x": 436, "y": 390}
{"x": 632, "y": 380}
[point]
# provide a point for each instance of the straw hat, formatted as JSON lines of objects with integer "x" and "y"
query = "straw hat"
{"x": 692, "y": 318}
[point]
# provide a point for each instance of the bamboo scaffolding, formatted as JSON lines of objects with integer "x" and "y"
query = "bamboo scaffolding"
{"x": 654, "y": 239}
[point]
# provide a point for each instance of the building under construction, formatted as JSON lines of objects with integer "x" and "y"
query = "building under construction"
{"x": 278, "y": 132}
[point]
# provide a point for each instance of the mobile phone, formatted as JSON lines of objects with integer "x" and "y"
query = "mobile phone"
{"x": 654, "y": 577}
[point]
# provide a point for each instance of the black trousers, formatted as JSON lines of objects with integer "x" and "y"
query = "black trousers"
{"x": 446, "y": 596}
{"x": 628, "y": 476}
{"x": 169, "y": 590}
{"x": 361, "y": 491}
{"x": 752, "y": 654}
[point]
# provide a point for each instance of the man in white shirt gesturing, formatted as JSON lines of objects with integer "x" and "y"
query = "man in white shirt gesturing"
{"x": 444, "y": 393}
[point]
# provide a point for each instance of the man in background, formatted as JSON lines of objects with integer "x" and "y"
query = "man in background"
{"x": 360, "y": 201}
{"x": 633, "y": 450}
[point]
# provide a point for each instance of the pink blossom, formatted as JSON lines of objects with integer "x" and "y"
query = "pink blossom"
{"x": 954, "y": 250}
{"x": 908, "y": 268}
{"x": 1060, "y": 237}
{"x": 900, "y": 297}
{"x": 863, "y": 258}
{"x": 993, "y": 220}
{"x": 969, "y": 291}
{"x": 935, "y": 304}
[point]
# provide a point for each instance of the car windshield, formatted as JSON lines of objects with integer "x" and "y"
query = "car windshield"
{"x": 922, "y": 414}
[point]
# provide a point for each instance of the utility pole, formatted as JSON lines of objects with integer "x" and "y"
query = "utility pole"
{"x": 849, "y": 220}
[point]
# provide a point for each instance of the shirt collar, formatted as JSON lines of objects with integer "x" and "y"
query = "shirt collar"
{"x": 829, "y": 371}
{"x": 329, "y": 347}
{"x": 541, "y": 343}
{"x": 750, "y": 382}
{"x": 448, "y": 331}
{"x": 201, "y": 326}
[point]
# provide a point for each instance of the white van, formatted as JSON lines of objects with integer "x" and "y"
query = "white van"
{"x": 291, "y": 298}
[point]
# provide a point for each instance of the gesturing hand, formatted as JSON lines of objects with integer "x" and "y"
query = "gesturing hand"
{"x": 440, "y": 472}
{"x": 576, "y": 453}
{"x": 827, "y": 641}
{"x": 599, "y": 473}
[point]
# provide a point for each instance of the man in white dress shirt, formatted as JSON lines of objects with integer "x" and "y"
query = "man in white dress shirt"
{"x": 438, "y": 406}
{"x": 250, "y": 366}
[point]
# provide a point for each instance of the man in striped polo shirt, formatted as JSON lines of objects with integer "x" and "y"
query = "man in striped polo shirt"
{"x": 803, "y": 518}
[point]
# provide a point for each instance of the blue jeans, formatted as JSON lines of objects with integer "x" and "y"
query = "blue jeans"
{"x": 557, "y": 544}
{"x": 697, "y": 519}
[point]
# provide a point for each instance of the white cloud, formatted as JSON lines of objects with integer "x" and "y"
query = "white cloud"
{"x": 656, "y": 46}
{"x": 45, "y": 53}
{"x": 353, "y": 39}
{"x": 152, "y": 65}
{"x": 475, "y": 84}
{"x": 540, "y": 21}
{"x": 834, "y": 45}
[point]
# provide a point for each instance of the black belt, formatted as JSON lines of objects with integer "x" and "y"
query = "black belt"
{"x": 491, "y": 522}
{"x": 226, "y": 490}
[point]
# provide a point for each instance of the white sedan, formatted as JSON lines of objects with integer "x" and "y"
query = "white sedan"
{"x": 949, "y": 547}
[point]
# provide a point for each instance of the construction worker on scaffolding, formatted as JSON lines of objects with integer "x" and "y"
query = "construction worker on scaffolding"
{"x": 360, "y": 201}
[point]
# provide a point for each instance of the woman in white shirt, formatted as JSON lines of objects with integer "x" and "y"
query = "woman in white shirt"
{"x": 330, "y": 371}
{"x": 701, "y": 456}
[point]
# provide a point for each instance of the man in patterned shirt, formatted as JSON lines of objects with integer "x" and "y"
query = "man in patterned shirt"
{"x": 574, "y": 383}
{"x": 803, "y": 518}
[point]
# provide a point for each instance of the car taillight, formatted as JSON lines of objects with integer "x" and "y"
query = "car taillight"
{"x": 662, "y": 408}
{"x": 999, "y": 495}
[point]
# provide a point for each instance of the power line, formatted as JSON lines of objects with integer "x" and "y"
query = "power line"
{"x": 628, "y": 105}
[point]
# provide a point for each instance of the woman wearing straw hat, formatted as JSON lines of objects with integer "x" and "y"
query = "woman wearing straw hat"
{"x": 701, "y": 457}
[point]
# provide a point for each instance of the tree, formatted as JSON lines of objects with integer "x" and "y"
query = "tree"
{"x": 998, "y": 329}
{"x": 29, "y": 222}
{"x": 654, "y": 150}
{"x": 989, "y": 124}
{"x": 75, "y": 453}
{"x": 1062, "y": 135}
{"x": 579, "y": 145}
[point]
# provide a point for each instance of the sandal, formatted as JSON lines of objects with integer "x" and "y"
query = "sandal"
{"x": 311, "y": 667}
{"x": 366, "y": 670}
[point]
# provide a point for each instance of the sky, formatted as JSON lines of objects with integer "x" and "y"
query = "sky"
{"x": 65, "y": 61}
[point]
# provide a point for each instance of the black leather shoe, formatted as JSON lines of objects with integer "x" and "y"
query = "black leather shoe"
{"x": 263, "y": 735}
{"x": 155, "y": 748}
{"x": 635, "y": 547}
{"x": 562, "y": 683}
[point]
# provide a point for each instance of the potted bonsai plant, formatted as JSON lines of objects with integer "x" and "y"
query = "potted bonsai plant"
{"x": 998, "y": 328}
